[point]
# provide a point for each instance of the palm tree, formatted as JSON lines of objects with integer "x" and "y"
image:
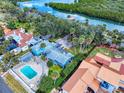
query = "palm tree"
{"x": 87, "y": 22}
{"x": 7, "y": 57}
{"x": 117, "y": 37}
{"x": 55, "y": 75}
{"x": 1, "y": 66}
{"x": 72, "y": 32}
{"x": 75, "y": 43}
{"x": 42, "y": 45}
{"x": 6, "y": 43}
{"x": 99, "y": 38}
{"x": 81, "y": 41}
{"x": 1, "y": 32}
{"x": 2, "y": 49}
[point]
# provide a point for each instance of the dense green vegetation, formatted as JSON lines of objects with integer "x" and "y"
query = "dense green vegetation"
{"x": 79, "y": 33}
{"x": 8, "y": 9}
{"x": 107, "y": 9}
{"x": 46, "y": 85}
{"x": 1, "y": 32}
{"x": 83, "y": 37}
{"x": 6, "y": 6}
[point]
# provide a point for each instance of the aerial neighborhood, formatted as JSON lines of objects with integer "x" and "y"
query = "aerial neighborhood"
{"x": 61, "y": 46}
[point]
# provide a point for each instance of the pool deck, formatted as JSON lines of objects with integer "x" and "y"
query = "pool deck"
{"x": 34, "y": 82}
{"x": 29, "y": 72}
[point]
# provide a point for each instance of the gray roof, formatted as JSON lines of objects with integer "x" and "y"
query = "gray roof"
{"x": 26, "y": 57}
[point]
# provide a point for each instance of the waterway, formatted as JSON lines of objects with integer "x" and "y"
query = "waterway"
{"x": 40, "y": 6}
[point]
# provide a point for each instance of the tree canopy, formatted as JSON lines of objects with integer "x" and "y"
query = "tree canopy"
{"x": 107, "y": 9}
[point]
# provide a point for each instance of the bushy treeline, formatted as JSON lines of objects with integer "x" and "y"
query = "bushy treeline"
{"x": 43, "y": 24}
{"x": 111, "y": 9}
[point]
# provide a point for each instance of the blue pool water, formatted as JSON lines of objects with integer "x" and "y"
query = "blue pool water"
{"x": 40, "y": 6}
{"x": 28, "y": 72}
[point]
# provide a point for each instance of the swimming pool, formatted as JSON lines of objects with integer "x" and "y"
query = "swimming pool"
{"x": 28, "y": 72}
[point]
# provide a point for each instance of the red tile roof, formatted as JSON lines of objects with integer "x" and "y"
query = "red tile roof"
{"x": 88, "y": 71}
{"x": 74, "y": 79}
{"x": 102, "y": 61}
{"x": 117, "y": 59}
{"x": 122, "y": 69}
{"x": 7, "y": 31}
{"x": 24, "y": 36}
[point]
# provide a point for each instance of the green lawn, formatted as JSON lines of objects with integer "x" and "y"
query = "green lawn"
{"x": 14, "y": 84}
{"x": 106, "y": 52}
{"x": 76, "y": 50}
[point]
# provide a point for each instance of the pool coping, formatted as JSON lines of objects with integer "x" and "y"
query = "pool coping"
{"x": 25, "y": 75}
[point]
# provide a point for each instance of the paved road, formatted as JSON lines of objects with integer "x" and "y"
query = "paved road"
{"x": 4, "y": 87}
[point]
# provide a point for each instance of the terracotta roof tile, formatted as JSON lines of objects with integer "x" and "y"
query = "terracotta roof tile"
{"x": 122, "y": 69}
{"x": 101, "y": 60}
{"x": 117, "y": 59}
{"x": 109, "y": 75}
{"x": 24, "y": 36}
{"x": 95, "y": 85}
{"x": 74, "y": 79}
{"x": 7, "y": 32}
{"x": 89, "y": 71}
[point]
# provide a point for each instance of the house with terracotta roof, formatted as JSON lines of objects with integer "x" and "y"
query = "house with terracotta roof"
{"x": 19, "y": 36}
{"x": 99, "y": 74}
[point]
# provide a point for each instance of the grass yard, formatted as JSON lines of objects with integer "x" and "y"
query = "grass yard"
{"x": 14, "y": 84}
{"x": 76, "y": 50}
{"x": 105, "y": 51}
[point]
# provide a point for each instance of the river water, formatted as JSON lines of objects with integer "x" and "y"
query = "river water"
{"x": 40, "y": 6}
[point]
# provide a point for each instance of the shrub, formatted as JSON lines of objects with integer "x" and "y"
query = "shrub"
{"x": 43, "y": 57}
{"x": 59, "y": 81}
{"x": 69, "y": 68}
{"x": 79, "y": 57}
{"x": 49, "y": 63}
{"x": 65, "y": 73}
{"x": 56, "y": 68}
{"x": 46, "y": 85}
{"x": 62, "y": 74}
{"x": 121, "y": 48}
{"x": 39, "y": 91}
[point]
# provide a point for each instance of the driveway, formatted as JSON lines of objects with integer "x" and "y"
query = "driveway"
{"x": 4, "y": 87}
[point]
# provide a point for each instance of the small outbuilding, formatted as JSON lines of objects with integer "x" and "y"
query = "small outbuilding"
{"x": 37, "y": 50}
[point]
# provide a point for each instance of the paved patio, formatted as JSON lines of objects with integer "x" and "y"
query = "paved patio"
{"x": 64, "y": 43}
